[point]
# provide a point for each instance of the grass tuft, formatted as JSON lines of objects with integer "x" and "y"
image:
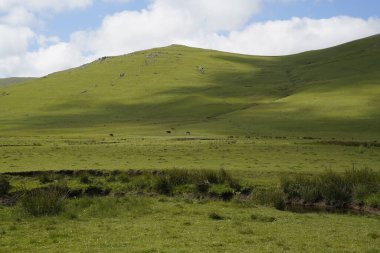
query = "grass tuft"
{"x": 44, "y": 201}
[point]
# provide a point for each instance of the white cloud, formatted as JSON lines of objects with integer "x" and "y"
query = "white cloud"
{"x": 14, "y": 40}
{"x": 41, "y": 5}
{"x": 46, "y": 60}
{"x": 295, "y": 35}
{"x": 211, "y": 15}
{"x": 217, "y": 24}
{"x": 164, "y": 22}
{"x": 18, "y": 17}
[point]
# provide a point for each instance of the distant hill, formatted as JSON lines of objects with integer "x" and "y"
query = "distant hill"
{"x": 13, "y": 80}
{"x": 326, "y": 93}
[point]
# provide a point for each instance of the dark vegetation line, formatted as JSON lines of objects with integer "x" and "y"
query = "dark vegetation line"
{"x": 353, "y": 188}
{"x": 352, "y": 143}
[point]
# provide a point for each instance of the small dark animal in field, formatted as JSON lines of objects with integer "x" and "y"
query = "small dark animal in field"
{"x": 188, "y": 133}
{"x": 168, "y": 132}
{"x": 111, "y": 135}
{"x": 122, "y": 74}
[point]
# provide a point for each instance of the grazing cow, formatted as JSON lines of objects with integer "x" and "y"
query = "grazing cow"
{"x": 168, "y": 132}
{"x": 188, "y": 133}
{"x": 111, "y": 135}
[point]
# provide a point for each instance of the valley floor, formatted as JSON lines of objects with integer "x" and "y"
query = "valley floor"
{"x": 176, "y": 224}
{"x": 259, "y": 158}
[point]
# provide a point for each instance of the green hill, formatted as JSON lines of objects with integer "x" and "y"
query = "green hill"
{"x": 327, "y": 93}
{"x": 13, "y": 80}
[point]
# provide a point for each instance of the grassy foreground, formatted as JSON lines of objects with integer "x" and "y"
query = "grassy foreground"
{"x": 175, "y": 211}
{"x": 161, "y": 224}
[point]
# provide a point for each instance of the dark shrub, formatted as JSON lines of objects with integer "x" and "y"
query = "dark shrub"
{"x": 211, "y": 176}
{"x": 223, "y": 176}
{"x": 262, "y": 218}
{"x": 94, "y": 190}
{"x": 269, "y": 197}
{"x": 292, "y": 186}
{"x": 221, "y": 191}
{"x": 180, "y": 177}
{"x": 163, "y": 186}
{"x": 215, "y": 216}
{"x": 74, "y": 193}
{"x": 202, "y": 187}
{"x": 124, "y": 178}
{"x": 279, "y": 203}
{"x": 4, "y": 185}
{"x": 335, "y": 189}
{"x": 141, "y": 183}
{"x": 373, "y": 200}
{"x": 338, "y": 189}
{"x": 84, "y": 179}
{"x": 46, "y": 178}
{"x": 246, "y": 190}
{"x": 44, "y": 201}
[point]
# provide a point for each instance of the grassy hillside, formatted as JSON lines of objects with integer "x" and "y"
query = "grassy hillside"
{"x": 327, "y": 93}
{"x": 13, "y": 80}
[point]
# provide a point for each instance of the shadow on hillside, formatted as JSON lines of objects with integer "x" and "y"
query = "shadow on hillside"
{"x": 262, "y": 77}
{"x": 231, "y": 91}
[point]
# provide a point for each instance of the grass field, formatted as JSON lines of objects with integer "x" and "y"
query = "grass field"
{"x": 173, "y": 225}
{"x": 256, "y": 159}
{"x": 260, "y": 118}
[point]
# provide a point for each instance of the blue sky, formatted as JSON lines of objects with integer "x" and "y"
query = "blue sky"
{"x": 42, "y": 36}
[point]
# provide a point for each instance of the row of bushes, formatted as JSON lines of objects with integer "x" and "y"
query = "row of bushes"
{"x": 360, "y": 186}
{"x": 49, "y": 199}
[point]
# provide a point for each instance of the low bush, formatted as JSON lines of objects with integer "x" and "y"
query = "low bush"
{"x": 202, "y": 187}
{"x": 141, "y": 183}
{"x": 180, "y": 177}
{"x": 334, "y": 188}
{"x": 85, "y": 179}
{"x": 4, "y": 185}
{"x": 269, "y": 197}
{"x": 163, "y": 185}
{"x": 221, "y": 191}
{"x": 45, "y": 178}
{"x": 44, "y": 201}
{"x": 96, "y": 190}
{"x": 215, "y": 216}
{"x": 373, "y": 200}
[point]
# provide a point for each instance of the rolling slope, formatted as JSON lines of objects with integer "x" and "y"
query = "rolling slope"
{"x": 330, "y": 93}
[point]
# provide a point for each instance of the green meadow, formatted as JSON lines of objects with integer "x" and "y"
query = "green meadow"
{"x": 261, "y": 119}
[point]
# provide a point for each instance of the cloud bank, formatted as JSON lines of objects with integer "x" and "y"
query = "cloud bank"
{"x": 218, "y": 24}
